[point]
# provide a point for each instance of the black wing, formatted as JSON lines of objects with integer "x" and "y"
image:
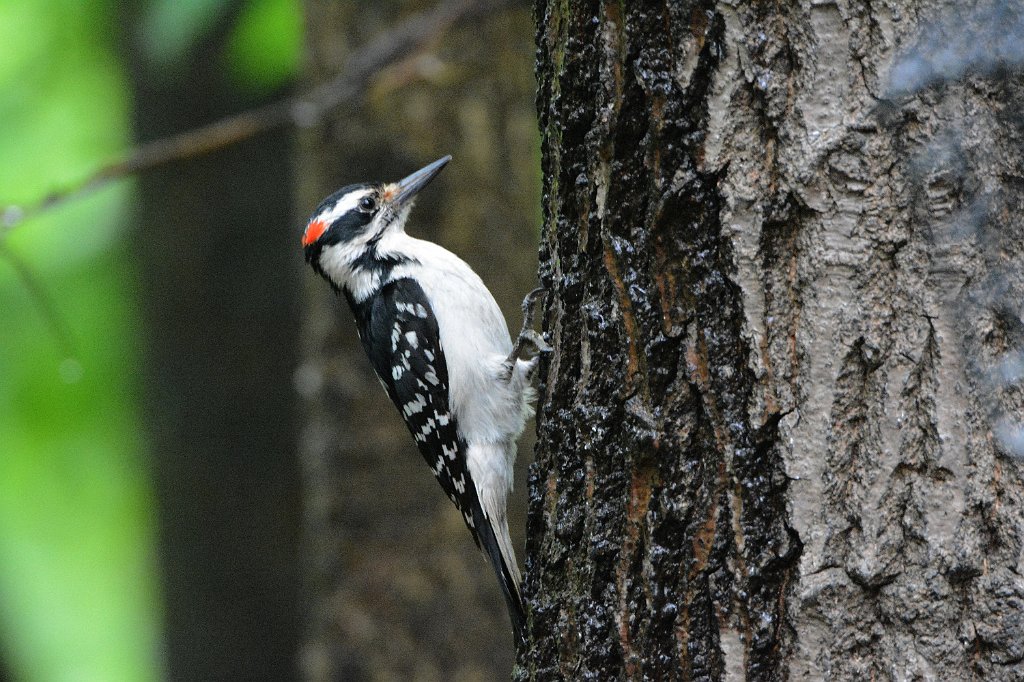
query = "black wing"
{"x": 399, "y": 333}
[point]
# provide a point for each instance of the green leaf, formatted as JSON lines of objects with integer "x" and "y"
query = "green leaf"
{"x": 266, "y": 45}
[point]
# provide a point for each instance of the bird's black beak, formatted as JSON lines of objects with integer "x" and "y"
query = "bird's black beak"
{"x": 406, "y": 188}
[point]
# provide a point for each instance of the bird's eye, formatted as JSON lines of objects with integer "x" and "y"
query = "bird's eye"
{"x": 368, "y": 204}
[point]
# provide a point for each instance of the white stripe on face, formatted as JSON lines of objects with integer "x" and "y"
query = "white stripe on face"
{"x": 343, "y": 205}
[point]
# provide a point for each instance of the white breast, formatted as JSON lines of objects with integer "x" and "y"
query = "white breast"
{"x": 474, "y": 338}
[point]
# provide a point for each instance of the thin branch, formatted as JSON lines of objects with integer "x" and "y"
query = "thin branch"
{"x": 399, "y": 42}
{"x": 43, "y": 301}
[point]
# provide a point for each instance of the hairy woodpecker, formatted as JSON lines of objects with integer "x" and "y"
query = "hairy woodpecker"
{"x": 441, "y": 349}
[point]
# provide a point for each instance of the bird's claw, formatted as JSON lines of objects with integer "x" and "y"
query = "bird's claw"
{"x": 528, "y": 335}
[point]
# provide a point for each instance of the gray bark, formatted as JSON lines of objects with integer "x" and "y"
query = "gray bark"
{"x": 395, "y": 587}
{"x": 784, "y": 244}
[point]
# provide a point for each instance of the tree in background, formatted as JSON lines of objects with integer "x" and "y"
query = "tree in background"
{"x": 218, "y": 287}
{"x": 779, "y": 435}
{"x": 182, "y": 293}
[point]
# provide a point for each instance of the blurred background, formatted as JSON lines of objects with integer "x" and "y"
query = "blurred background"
{"x": 199, "y": 476}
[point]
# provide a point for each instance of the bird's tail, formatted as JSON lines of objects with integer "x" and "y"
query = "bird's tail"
{"x": 496, "y": 543}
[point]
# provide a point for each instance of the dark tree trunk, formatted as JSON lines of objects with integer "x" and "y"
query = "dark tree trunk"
{"x": 395, "y": 587}
{"x": 218, "y": 288}
{"x": 769, "y": 444}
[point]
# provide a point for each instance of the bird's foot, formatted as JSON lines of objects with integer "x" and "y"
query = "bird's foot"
{"x": 528, "y": 336}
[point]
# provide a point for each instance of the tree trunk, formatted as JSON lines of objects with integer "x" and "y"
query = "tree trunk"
{"x": 770, "y": 441}
{"x": 218, "y": 296}
{"x": 395, "y": 587}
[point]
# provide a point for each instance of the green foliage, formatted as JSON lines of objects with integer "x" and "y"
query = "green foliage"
{"x": 266, "y": 45}
{"x": 76, "y": 574}
{"x": 78, "y": 590}
{"x": 78, "y": 584}
{"x": 262, "y": 51}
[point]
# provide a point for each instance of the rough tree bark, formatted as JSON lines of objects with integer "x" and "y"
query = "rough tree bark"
{"x": 784, "y": 246}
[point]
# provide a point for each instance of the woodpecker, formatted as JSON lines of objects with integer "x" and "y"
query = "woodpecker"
{"x": 440, "y": 347}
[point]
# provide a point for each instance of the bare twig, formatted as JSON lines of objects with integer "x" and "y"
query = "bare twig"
{"x": 42, "y": 301}
{"x": 397, "y": 43}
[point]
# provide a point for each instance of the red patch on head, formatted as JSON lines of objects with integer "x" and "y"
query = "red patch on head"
{"x": 313, "y": 232}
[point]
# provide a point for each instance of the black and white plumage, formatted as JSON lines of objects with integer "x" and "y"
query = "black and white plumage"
{"x": 440, "y": 346}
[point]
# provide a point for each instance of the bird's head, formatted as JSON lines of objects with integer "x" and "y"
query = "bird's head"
{"x": 345, "y": 240}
